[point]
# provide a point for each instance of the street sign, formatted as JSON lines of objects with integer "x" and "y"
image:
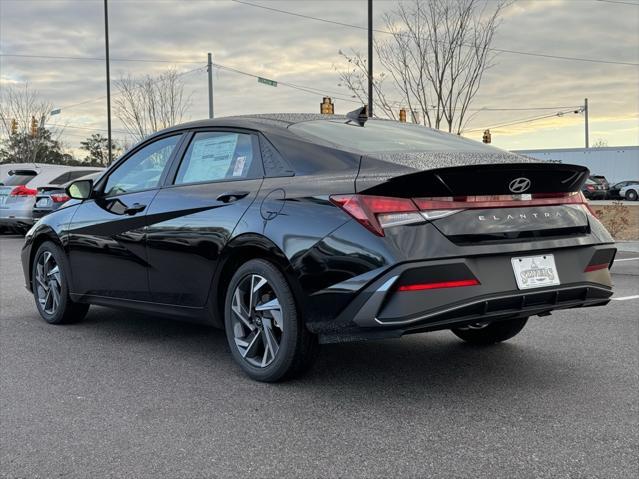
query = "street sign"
{"x": 266, "y": 81}
{"x": 55, "y": 112}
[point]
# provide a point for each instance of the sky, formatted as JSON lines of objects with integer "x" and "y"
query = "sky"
{"x": 304, "y": 52}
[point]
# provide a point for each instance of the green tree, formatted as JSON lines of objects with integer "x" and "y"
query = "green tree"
{"x": 98, "y": 150}
{"x": 22, "y": 147}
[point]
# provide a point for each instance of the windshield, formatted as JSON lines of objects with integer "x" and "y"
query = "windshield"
{"x": 380, "y": 136}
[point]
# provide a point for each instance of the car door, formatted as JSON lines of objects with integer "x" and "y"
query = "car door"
{"x": 194, "y": 215}
{"x": 106, "y": 235}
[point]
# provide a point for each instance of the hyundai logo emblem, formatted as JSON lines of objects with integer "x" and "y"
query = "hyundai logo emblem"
{"x": 519, "y": 185}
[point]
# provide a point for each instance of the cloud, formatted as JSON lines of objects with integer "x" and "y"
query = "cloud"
{"x": 303, "y": 51}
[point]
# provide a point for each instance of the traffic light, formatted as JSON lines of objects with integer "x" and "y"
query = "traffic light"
{"x": 327, "y": 107}
{"x": 14, "y": 126}
{"x": 402, "y": 115}
{"x": 34, "y": 127}
{"x": 486, "y": 137}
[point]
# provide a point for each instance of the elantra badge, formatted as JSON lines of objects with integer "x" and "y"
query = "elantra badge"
{"x": 519, "y": 185}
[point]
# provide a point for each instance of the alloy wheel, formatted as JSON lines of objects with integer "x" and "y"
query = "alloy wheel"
{"x": 48, "y": 283}
{"x": 257, "y": 320}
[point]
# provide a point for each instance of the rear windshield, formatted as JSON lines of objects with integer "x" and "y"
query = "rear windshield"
{"x": 18, "y": 177}
{"x": 379, "y": 136}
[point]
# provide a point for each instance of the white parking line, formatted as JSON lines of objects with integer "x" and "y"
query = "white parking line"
{"x": 626, "y": 259}
{"x": 624, "y": 298}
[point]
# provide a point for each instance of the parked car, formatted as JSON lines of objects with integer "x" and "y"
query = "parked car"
{"x": 615, "y": 190}
{"x": 593, "y": 190}
{"x": 629, "y": 191}
{"x": 292, "y": 230}
{"x": 51, "y": 197}
{"x": 602, "y": 182}
{"x": 19, "y": 188}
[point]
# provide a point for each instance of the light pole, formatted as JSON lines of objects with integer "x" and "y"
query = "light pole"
{"x": 586, "y": 121}
{"x": 209, "y": 69}
{"x": 108, "y": 78}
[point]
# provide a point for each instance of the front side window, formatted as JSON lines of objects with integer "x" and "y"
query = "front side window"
{"x": 143, "y": 169}
{"x": 218, "y": 156}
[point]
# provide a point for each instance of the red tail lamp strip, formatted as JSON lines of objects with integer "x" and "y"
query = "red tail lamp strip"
{"x": 595, "y": 267}
{"x": 498, "y": 201}
{"x": 443, "y": 284}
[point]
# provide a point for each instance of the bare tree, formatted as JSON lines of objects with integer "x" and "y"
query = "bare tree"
{"x": 149, "y": 104}
{"x": 435, "y": 55}
{"x": 20, "y": 106}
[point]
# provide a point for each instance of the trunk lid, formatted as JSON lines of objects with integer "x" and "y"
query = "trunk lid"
{"x": 492, "y": 202}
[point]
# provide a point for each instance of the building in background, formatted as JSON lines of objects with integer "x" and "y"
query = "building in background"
{"x": 616, "y": 163}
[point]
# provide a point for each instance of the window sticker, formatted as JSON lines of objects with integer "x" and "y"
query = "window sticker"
{"x": 211, "y": 158}
{"x": 238, "y": 170}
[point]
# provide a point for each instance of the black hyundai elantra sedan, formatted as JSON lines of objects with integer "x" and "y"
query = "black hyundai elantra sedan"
{"x": 291, "y": 230}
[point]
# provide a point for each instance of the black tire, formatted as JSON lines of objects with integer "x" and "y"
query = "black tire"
{"x": 66, "y": 311}
{"x": 492, "y": 333}
{"x": 631, "y": 195}
{"x": 297, "y": 347}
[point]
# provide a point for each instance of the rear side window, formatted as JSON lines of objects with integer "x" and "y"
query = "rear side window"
{"x": 219, "y": 156}
{"x": 18, "y": 177}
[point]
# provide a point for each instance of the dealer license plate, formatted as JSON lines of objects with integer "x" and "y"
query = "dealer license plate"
{"x": 535, "y": 271}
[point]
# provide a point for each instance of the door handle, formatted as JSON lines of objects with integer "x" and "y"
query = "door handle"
{"x": 135, "y": 208}
{"x": 231, "y": 196}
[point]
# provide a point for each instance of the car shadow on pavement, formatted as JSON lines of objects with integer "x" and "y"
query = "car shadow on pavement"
{"x": 436, "y": 364}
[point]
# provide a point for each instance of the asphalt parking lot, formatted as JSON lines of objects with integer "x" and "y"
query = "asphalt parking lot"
{"x": 129, "y": 395}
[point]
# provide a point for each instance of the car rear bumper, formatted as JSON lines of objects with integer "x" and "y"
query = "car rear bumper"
{"x": 381, "y": 310}
{"x": 19, "y": 215}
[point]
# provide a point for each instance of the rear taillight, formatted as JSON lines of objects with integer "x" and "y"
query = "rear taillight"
{"x": 379, "y": 212}
{"x": 23, "y": 191}
{"x": 59, "y": 198}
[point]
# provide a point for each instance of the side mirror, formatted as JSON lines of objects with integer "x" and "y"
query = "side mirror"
{"x": 80, "y": 190}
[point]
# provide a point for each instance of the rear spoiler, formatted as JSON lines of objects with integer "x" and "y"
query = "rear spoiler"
{"x": 484, "y": 179}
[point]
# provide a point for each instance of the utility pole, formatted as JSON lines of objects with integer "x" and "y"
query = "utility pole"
{"x": 370, "y": 58}
{"x": 586, "y": 118}
{"x": 209, "y": 69}
{"x": 108, "y": 78}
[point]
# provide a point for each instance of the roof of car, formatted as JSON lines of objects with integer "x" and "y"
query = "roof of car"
{"x": 265, "y": 121}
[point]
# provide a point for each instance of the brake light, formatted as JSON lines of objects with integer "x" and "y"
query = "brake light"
{"x": 499, "y": 201}
{"x": 377, "y": 212}
{"x": 439, "y": 285}
{"x": 595, "y": 267}
{"x": 22, "y": 190}
{"x": 59, "y": 198}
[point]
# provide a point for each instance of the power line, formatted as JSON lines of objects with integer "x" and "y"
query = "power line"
{"x": 60, "y": 57}
{"x": 500, "y": 50}
{"x": 73, "y": 105}
{"x": 619, "y": 2}
{"x": 303, "y": 88}
{"x": 524, "y": 120}
{"x": 74, "y": 127}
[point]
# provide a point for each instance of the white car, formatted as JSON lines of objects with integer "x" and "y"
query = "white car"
{"x": 630, "y": 191}
{"x": 19, "y": 187}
